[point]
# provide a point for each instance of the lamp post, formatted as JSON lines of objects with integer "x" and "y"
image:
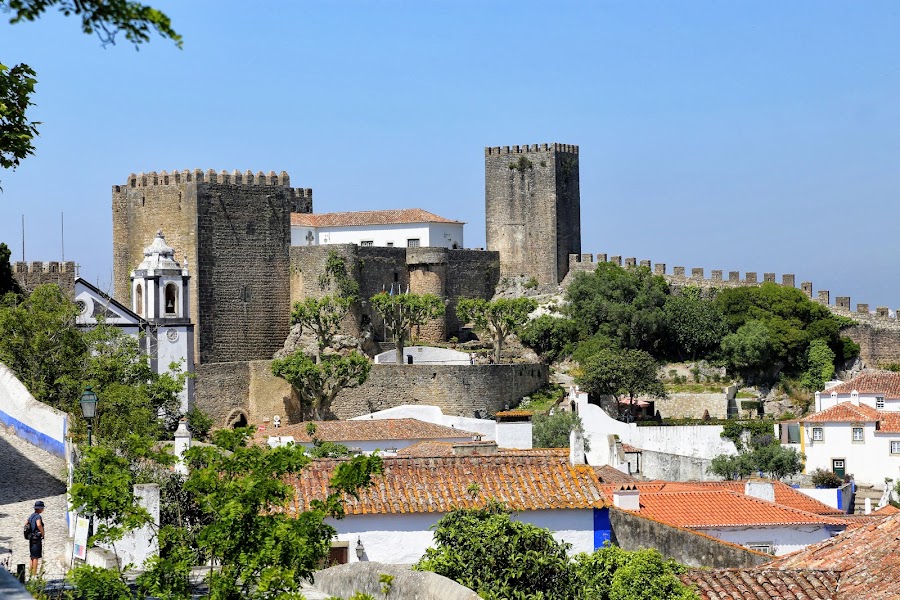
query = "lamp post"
{"x": 88, "y": 403}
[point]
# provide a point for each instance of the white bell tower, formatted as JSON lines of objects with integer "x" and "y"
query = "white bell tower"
{"x": 159, "y": 294}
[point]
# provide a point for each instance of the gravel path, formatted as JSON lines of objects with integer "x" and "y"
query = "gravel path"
{"x": 28, "y": 473}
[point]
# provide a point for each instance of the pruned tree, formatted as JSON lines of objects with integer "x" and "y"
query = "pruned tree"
{"x": 321, "y": 316}
{"x": 319, "y": 383}
{"x": 496, "y": 319}
{"x": 402, "y": 312}
{"x": 621, "y": 373}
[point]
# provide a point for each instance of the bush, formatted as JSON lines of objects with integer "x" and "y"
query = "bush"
{"x": 552, "y": 431}
{"x": 551, "y": 337}
{"x": 749, "y": 405}
{"x": 94, "y": 583}
{"x": 823, "y": 478}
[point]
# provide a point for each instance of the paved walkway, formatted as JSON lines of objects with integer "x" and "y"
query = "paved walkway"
{"x": 28, "y": 473}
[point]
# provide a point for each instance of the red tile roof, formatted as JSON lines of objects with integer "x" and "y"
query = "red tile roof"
{"x": 762, "y": 584}
{"x": 878, "y": 382}
{"x": 785, "y": 495}
{"x": 429, "y": 485}
{"x": 630, "y": 448}
{"x": 868, "y": 559}
{"x": 699, "y": 509}
{"x": 514, "y": 413}
{"x": 889, "y": 421}
{"x": 434, "y": 449}
{"x": 368, "y": 217}
{"x": 367, "y": 430}
{"x": 845, "y": 412}
{"x": 887, "y": 510}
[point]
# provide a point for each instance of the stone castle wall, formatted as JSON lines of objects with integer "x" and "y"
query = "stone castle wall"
{"x": 226, "y": 389}
{"x": 234, "y": 232}
{"x": 877, "y": 333}
{"x": 32, "y": 274}
{"x": 532, "y": 209}
{"x": 692, "y": 406}
{"x": 450, "y": 274}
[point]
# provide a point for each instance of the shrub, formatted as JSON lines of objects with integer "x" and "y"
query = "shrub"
{"x": 823, "y": 478}
{"x": 531, "y": 284}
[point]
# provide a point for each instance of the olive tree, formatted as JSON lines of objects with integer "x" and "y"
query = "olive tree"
{"x": 402, "y": 312}
{"x": 495, "y": 319}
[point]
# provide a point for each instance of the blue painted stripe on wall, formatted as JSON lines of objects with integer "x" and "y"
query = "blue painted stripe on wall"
{"x": 602, "y": 527}
{"x": 840, "y": 499}
{"x": 33, "y": 436}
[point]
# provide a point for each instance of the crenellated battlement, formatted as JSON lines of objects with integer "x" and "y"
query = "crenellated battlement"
{"x": 526, "y": 149}
{"x": 722, "y": 279}
{"x": 44, "y": 267}
{"x": 165, "y": 178}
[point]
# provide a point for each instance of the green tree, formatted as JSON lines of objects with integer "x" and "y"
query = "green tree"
{"x": 486, "y": 550}
{"x": 749, "y": 349}
{"x": 40, "y": 343}
{"x": 402, "y": 312}
{"x": 610, "y": 573}
{"x": 262, "y": 551}
{"x": 318, "y": 384}
{"x": 8, "y": 283}
{"x": 731, "y": 466}
{"x": 621, "y": 373}
{"x": 96, "y": 583}
{"x": 495, "y": 319}
{"x": 758, "y": 451}
{"x": 552, "y": 430}
{"x": 550, "y": 336}
{"x": 321, "y": 316}
{"x": 106, "y": 18}
{"x": 819, "y": 365}
{"x": 776, "y": 460}
{"x": 625, "y": 305}
{"x": 695, "y": 325}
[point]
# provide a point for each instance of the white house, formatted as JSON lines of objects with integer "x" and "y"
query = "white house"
{"x": 387, "y": 435}
{"x": 407, "y": 228}
{"x": 159, "y": 315}
{"x": 853, "y": 438}
{"x": 878, "y": 389}
{"x": 392, "y": 521}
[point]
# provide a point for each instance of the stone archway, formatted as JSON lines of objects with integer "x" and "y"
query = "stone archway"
{"x": 236, "y": 418}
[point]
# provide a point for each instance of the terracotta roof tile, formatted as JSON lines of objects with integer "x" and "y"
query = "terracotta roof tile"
{"x": 371, "y": 430}
{"x": 630, "y": 448}
{"x": 610, "y": 474}
{"x": 887, "y": 510}
{"x": 785, "y": 495}
{"x": 367, "y": 217}
{"x": 434, "y": 449}
{"x": 762, "y": 584}
{"x": 514, "y": 413}
{"x": 878, "y": 382}
{"x": 700, "y": 509}
{"x": 888, "y": 421}
{"x": 845, "y": 412}
{"x": 427, "y": 485}
{"x": 868, "y": 559}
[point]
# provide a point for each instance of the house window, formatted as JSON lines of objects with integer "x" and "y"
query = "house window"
{"x": 764, "y": 547}
{"x": 412, "y": 243}
{"x": 895, "y": 447}
{"x": 171, "y": 298}
{"x": 390, "y": 244}
{"x": 139, "y": 300}
{"x": 879, "y": 402}
{"x": 857, "y": 434}
{"x": 818, "y": 434}
{"x": 367, "y": 243}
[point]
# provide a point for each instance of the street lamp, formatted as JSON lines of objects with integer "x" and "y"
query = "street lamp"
{"x": 89, "y": 409}
{"x": 360, "y": 549}
{"x": 88, "y": 403}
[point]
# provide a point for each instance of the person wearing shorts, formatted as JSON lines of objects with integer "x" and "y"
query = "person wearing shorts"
{"x": 36, "y": 541}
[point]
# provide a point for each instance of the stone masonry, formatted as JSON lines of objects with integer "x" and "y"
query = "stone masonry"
{"x": 233, "y": 232}
{"x": 533, "y": 209}
{"x": 30, "y": 275}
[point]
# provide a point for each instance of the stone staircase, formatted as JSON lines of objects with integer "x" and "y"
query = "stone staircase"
{"x": 859, "y": 498}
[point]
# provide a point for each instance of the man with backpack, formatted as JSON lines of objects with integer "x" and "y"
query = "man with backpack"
{"x": 34, "y": 532}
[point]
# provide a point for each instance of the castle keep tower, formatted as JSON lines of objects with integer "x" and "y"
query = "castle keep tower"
{"x": 235, "y": 231}
{"x": 533, "y": 209}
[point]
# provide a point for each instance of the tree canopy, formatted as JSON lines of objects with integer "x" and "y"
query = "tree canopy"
{"x": 318, "y": 384}
{"x": 621, "y": 373}
{"x": 402, "y": 312}
{"x": 497, "y": 318}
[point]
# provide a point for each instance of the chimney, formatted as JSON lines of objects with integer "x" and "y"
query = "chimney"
{"x": 576, "y": 448}
{"x": 818, "y": 401}
{"x": 477, "y": 448}
{"x": 514, "y": 429}
{"x": 854, "y": 398}
{"x": 182, "y": 444}
{"x": 760, "y": 488}
{"x": 627, "y": 497}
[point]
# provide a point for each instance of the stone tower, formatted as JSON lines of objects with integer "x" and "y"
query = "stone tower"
{"x": 234, "y": 229}
{"x": 533, "y": 209}
{"x": 160, "y": 293}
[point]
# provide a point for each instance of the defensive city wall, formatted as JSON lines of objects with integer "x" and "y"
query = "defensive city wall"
{"x": 877, "y": 333}
{"x": 248, "y": 390}
{"x": 32, "y": 274}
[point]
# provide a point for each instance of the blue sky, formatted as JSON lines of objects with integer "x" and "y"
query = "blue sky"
{"x": 751, "y": 136}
